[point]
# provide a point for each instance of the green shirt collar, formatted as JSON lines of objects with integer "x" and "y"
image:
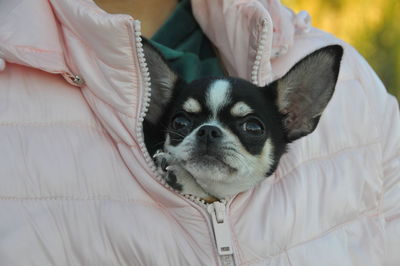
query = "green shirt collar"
{"x": 186, "y": 48}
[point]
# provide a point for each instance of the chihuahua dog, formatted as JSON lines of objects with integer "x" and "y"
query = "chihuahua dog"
{"x": 218, "y": 136}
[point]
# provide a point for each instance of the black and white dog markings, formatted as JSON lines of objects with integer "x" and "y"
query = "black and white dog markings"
{"x": 219, "y": 136}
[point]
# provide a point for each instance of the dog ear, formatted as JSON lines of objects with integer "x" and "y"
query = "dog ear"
{"x": 163, "y": 80}
{"x": 304, "y": 92}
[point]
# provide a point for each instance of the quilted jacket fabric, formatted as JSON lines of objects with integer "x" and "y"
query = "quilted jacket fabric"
{"x": 77, "y": 186}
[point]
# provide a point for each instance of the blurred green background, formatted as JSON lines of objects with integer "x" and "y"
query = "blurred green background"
{"x": 372, "y": 26}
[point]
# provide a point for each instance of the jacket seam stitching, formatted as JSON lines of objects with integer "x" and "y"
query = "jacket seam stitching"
{"x": 334, "y": 228}
{"x": 392, "y": 218}
{"x": 32, "y": 49}
{"x": 393, "y": 158}
{"x": 76, "y": 123}
{"x": 322, "y": 157}
{"x": 87, "y": 199}
{"x": 325, "y": 233}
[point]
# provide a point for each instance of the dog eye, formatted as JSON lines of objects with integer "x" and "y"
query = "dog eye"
{"x": 253, "y": 127}
{"x": 180, "y": 122}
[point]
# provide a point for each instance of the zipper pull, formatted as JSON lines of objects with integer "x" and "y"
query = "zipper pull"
{"x": 222, "y": 232}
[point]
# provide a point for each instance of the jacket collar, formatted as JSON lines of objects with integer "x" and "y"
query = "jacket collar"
{"x": 74, "y": 37}
{"x": 30, "y": 36}
{"x": 43, "y": 45}
{"x": 34, "y": 33}
{"x": 249, "y": 34}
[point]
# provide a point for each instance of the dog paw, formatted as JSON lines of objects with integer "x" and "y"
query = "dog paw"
{"x": 176, "y": 176}
{"x": 172, "y": 181}
{"x": 162, "y": 160}
{"x": 183, "y": 181}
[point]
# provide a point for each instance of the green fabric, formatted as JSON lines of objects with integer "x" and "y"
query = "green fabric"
{"x": 188, "y": 51}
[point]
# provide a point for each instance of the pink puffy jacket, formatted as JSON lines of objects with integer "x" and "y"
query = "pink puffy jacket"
{"x": 77, "y": 186}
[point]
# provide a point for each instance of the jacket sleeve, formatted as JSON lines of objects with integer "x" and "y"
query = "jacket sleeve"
{"x": 386, "y": 112}
{"x": 390, "y": 207}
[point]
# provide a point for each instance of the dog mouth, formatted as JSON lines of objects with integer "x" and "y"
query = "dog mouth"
{"x": 209, "y": 159}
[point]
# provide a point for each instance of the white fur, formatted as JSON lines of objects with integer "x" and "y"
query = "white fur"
{"x": 184, "y": 178}
{"x": 239, "y": 171}
{"x": 240, "y": 109}
{"x": 192, "y": 106}
{"x": 218, "y": 95}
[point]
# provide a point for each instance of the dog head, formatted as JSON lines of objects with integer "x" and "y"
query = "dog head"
{"x": 229, "y": 134}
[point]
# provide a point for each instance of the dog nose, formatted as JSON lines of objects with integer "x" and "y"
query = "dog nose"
{"x": 209, "y": 134}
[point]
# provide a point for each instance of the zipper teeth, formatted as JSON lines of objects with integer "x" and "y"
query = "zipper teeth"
{"x": 140, "y": 135}
{"x": 139, "y": 128}
{"x": 260, "y": 50}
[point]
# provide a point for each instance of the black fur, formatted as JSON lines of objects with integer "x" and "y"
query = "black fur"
{"x": 173, "y": 182}
{"x": 304, "y": 99}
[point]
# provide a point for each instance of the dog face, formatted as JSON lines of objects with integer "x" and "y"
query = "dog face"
{"x": 229, "y": 134}
{"x": 220, "y": 133}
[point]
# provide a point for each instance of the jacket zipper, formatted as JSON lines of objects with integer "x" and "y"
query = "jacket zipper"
{"x": 222, "y": 232}
{"x": 216, "y": 210}
{"x": 264, "y": 40}
{"x": 146, "y": 103}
